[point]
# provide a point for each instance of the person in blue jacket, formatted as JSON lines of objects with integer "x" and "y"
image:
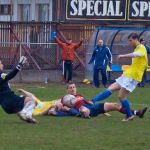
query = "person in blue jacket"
{"x": 101, "y": 57}
{"x": 144, "y": 78}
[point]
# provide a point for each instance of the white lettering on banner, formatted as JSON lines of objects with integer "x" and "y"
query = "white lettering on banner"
{"x": 141, "y": 9}
{"x": 104, "y": 12}
{"x": 74, "y": 8}
{"x": 144, "y": 7}
{"x": 95, "y": 8}
{"x": 118, "y": 12}
{"x": 90, "y": 5}
{"x": 135, "y": 7}
{"x": 110, "y": 9}
{"x": 82, "y": 6}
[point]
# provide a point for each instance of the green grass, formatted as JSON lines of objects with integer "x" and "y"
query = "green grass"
{"x": 71, "y": 133}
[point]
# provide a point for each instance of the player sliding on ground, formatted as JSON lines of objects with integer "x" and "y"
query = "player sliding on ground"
{"x": 130, "y": 78}
{"x": 51, "y": 107}
{"x": 10, "y": 102}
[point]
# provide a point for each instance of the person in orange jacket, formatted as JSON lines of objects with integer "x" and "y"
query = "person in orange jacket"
{"x": 67, "y": 54}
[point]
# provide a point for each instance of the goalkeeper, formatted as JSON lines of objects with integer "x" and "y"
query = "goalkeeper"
{"x": 12, "y": 103}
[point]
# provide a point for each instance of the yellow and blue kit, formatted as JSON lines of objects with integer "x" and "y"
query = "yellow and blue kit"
{"x": 139, "y": 64}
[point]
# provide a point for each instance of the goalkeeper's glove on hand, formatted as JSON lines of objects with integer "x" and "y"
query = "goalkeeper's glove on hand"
{"x": 22, "y": 61}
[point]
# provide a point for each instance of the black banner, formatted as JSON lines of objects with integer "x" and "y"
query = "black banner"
{"x": 108, "y": 10}
{"x": 139, "y": 10}
{"x": 96, "y": 9}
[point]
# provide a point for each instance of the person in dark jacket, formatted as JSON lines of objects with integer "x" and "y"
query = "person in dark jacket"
{"x": 101, "y": 57}
{"x": 144, "y": 78}
{"x": 12, "y": 103}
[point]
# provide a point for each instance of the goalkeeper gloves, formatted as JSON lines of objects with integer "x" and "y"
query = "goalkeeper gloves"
{"x": 22, "y": 61}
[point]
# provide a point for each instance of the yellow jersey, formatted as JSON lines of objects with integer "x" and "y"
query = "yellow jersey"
{"x": 138, "y": 65}
{"x": 42, "y": 106}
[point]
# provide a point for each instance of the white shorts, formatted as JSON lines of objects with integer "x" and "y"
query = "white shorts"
{"x": 127, "y": 83}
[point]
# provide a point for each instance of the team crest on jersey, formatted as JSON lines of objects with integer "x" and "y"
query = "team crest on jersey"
{"x": 3, "y": 76}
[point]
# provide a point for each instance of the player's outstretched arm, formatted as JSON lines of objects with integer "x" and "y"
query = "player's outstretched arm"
{"x": 6, "y": 77}
{"x": 130, "y": 55}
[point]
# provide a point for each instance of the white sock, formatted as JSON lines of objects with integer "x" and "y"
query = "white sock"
{"x": 135, "y": 112}
{"x": 28, "y": 108}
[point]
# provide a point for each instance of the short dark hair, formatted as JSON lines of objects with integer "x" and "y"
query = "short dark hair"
{"x": 70, "y": 84}
{"x": 133, "y": 36}
{"x": 142, "y": 39}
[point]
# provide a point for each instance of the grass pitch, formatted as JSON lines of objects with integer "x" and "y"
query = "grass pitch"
{"x": 71, "y": 133}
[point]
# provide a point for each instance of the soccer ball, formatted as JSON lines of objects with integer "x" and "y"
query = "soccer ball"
{"x": 69, "y": 100}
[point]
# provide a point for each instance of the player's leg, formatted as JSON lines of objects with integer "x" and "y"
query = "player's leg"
{"x": 28, "y": 94}
{"x": 104, "y": 77}
{"x": 15, "y": 104}
{"x": 27, "y": 111}
{"x": 106, "y": 93}
{"x": 125, "y": 103}
{"x": 117, "y": 107}
{"x": 111, "y": 107}
{"x": 96, "y": 78}
{"x": 140, "y": 113}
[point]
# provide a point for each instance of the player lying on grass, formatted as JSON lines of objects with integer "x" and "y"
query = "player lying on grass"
{"x": 106, "y": 107}
{"x": 91, "y": 110}
{"x": 12, "y": 103}
{"x": 78, "y": 106}
{"x": 52, "y": 107}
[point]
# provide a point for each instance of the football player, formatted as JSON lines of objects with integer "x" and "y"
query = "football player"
{"x": 12, "y": 103}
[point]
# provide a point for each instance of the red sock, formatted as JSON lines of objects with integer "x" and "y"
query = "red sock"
{"x": 122, "y": 110}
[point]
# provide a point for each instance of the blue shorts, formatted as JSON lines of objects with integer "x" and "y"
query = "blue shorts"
{"x": 95, "y": 109}
{"x": 11, "y": 103}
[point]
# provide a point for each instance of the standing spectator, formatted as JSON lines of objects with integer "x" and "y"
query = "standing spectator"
{"x": 68, "y": 49}
{"x": 101, "y": 56}
{"x": 144, "y": 78}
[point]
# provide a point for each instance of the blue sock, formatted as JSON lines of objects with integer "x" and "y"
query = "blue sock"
{"x": 61, "y": 114}
{"x": 126, "y": 106}
{"x": 101, "y": 96}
